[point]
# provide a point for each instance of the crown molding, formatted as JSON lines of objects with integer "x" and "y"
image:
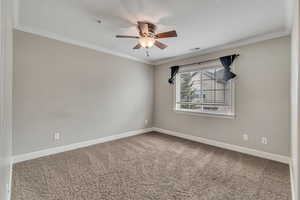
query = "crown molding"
{"x": 234, "y": 44}
{"x": 57, "y": 37}
{"x": 229, "y": 45}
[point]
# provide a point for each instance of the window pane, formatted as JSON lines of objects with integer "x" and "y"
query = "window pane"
{"x": 220, "y": 97}
{"x": 204, "y": 91}
{"x": 220, "y": 85}
{"x": 189, "y": 87}
{"x": 208, "y": 84}
{"x": 208, "y": 97}
{"x": 193, "y": 107}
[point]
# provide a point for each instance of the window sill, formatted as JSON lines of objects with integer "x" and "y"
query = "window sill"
{"x": 205, "y": 114}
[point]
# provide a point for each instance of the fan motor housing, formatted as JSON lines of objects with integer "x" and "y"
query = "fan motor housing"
{"x": 151, "y": 28}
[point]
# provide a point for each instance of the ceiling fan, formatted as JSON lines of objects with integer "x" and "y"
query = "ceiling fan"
{"x": 147, "y": 37}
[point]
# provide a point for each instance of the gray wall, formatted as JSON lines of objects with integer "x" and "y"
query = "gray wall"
{"x": 5, "y": 96}
{"x": 81, "y": 93}
{"x": 295, "y": 84}
{"x": 262, "y": 99}
{"x": 84, "y": 94}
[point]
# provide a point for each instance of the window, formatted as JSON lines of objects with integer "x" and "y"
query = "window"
{"x": 201, "y": 90}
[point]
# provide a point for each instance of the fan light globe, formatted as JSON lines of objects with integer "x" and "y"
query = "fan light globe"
{"x": 146, "y": 42}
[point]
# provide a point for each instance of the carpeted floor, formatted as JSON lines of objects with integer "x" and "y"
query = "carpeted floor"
{"x": 151, "y": 166}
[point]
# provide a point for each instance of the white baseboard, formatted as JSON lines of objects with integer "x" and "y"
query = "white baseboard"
{"x": 266, "y": 155}
{"x": 10, "y": 179}
{"x": 55, "y": 150}
{"x": 292, "y": 180}
{"x": 253, "y": 152}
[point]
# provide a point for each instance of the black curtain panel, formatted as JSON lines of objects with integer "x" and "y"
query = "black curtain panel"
{"x": 174, "y": 71}
{"x": 227, "y": 62}
{"x": 225, "y": 76}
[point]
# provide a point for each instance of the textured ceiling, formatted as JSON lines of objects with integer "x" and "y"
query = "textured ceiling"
{"x": 200, "y": 24}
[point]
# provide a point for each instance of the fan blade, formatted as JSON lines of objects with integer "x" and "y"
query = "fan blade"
{"x": 166, "y": 34}
{"x": 160, "y": 45}
{"x": 143, "y": 28}
{"x": 127, "y": 36}
{"x": 137, "y": 46}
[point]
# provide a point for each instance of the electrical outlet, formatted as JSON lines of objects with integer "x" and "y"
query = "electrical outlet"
{"x": 146, "y": 122}
{"x": 264, "y": 140}
{"x": 245, "y": 137}
{"x": 56, "y": 136}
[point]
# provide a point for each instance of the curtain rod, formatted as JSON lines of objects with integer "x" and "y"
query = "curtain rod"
{"x": 198, "y": 63}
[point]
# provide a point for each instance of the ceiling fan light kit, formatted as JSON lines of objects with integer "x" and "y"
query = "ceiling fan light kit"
{"x": 146, "y": 42}
{"x": 147, "y": 37}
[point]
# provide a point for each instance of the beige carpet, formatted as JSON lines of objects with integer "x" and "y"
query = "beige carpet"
{"x": 151, "y": 166}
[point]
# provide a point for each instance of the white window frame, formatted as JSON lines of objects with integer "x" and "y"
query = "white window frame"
{"x": 176, "y": 91}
